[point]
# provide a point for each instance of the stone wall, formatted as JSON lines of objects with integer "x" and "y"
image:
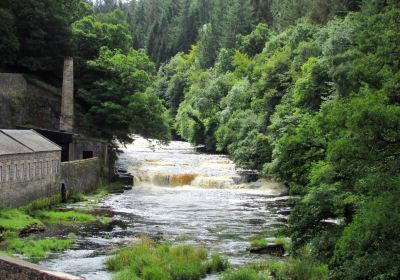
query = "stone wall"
{"x": 10, "y": 84}
{"x": 13, "y": 269}
{"x": 81, "y": 175}
{"x": 27, "y": 177}
{"x": 24, "y": 103}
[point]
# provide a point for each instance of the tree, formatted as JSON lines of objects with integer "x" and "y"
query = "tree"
{"x": 9, "y": 44}
{"x": 89, "y": 35}
{"x": 238, "y": 20}
{"x": 116, "y": 100}
{"x": 42, "y": 28}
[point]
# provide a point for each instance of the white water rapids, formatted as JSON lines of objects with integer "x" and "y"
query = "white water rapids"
{"x": 182, "y": 196}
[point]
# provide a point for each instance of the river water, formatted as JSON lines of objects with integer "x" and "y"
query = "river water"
{"x": 181, "y": 196}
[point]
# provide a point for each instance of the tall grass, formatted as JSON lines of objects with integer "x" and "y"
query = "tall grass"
{"x": 150, "y": 261}
{"x": 36, "y": 250}
{"x": 302, "y": 268}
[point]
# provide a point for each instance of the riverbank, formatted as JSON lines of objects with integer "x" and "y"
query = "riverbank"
{"x": 46, "y": 226}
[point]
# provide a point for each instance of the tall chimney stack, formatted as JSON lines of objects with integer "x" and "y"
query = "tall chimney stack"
{"x": 67, "y": 102}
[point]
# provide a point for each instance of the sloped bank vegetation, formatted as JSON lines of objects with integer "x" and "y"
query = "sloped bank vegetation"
{"x": 314, "y": 102}
{"x": 46, "y": 226}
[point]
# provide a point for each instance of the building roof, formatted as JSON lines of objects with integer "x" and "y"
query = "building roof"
{"x": 24, "y": 141}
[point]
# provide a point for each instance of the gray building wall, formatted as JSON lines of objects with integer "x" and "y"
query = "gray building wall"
{"x": 27, "y": 177}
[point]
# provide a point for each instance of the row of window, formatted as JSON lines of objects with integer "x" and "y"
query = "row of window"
{"x": 28, "y": 171}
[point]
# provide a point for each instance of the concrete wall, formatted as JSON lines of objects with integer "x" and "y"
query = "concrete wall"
{"x": 27, "y": 177}
{"x": 13, "y": 269}
{"x": 81, "y": 175}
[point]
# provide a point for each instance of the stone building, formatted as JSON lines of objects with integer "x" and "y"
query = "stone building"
{"x": 43, "y": 159}
{"x": 29, "y": 167}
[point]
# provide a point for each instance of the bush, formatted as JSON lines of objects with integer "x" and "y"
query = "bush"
{"x": 302, "y": 268}
{"x": 369, "y": 247}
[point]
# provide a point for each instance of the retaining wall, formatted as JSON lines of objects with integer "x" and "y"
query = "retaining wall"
{"x": 23, "y": 103}
{"x": 81, "y": 175}
{"x": 14, "y": 269}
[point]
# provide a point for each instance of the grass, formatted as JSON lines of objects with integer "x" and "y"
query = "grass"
{"x": 150, "y": 261}
{"x": 217, "y": 263}
{"x": 65, "y": 218}
{"x": 45, "y": 86}
{"x": 258, "y": 243}
{"x": 41, "y": 204}
{"x": 301, "y": 268}
{"x": 15, "y": 220}
{"x": 244, "y": 273}
{"x": 39, "y": 249}
{"x": 42, "y": 213}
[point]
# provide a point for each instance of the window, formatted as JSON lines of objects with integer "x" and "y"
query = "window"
{"x": 22, "y": 172}
{"x": 87, "y": 154}
{"x": 7, "y": 173}
{"x": 29, "y": 171}
{"x": 1, "y": 174}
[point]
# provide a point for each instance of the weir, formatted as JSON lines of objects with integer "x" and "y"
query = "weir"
{"x": 181, "y": 196}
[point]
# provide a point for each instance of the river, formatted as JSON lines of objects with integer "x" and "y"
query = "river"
{"x": 181, "y": 196}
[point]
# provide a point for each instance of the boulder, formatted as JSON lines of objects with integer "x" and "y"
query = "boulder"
{"x": 32, "y": 228}
{"x": 271, "y": 249}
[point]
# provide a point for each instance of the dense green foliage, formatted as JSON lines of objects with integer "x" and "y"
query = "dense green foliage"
{"x": 291, "y": 269}
{"x": 111, "y": 77}
{"x": 304, "y": 90}
{"x": 311, "y": 98}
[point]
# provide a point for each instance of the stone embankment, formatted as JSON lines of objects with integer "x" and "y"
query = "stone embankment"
{"x": 14, "y": 269}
